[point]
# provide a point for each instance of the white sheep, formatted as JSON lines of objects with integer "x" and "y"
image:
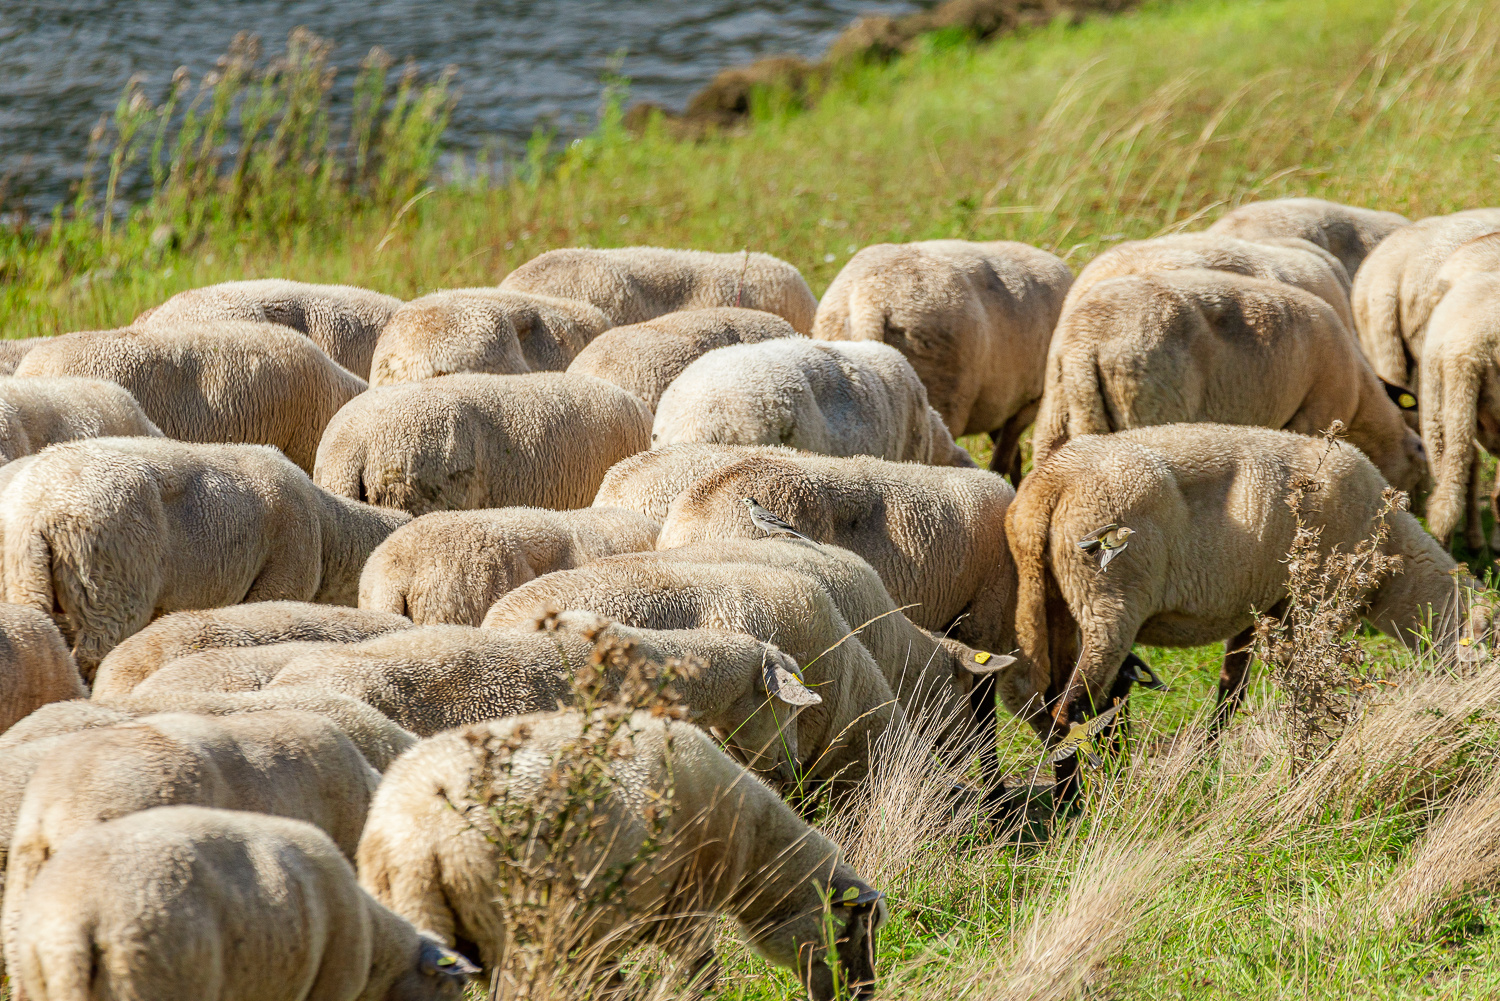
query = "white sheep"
{"x": 35, "y": 666}
{"x": 12, "y": 351}
{"x": 462, "y": 442}
{"x": 35, "y": 413}
{"x": 648, "y": 482}
{"x": 451, "y": 566}
{"x": 226, "y": 669}
{"x": 1346, "y": 231}
{"x": 635, "y": 284}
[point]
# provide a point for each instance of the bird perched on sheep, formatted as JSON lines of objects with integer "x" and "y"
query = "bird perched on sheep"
{"x": 482, "y": 330}
{"x": 648, "y": 482}
{"x": 837, "y": 398}
{"x": 108, "y": 533}
{"x": 733, "y": 847}
{"x": 973, "y": 319}
{"x": 342, "y": 320}
{"x": 463, "y": 442}
{"x": 234, "y": 381}
{"x": 636, "y": 284}
{"x": 35, "y": 413}
{"x": 644, "y": 358}
{"x": 1184, "y": 346}
{"x": 1346, "y": 231}
{"x": 236, "y": 905}
{"x": 449, "y": 567}
{"x": 35, "y": 666}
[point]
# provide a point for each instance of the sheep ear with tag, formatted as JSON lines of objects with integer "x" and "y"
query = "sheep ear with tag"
{"x": 852, "y": 893}
{"x": 984, "y": 662}
{"x": 438, "y": 960}
{"x": 786, "y": 686}
{"x": 1400, "y": 396}
{"x": 1140, "y": 672}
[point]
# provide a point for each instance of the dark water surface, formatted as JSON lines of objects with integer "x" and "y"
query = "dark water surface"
{"x": 63, "y": 62}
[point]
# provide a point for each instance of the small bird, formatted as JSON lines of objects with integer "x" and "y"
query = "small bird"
{"x": 1079, "y": 735}
{"x": 1107, "y": 541}
{"x": 769, "y": 523}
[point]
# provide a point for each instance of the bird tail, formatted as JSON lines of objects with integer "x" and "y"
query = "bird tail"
{"x": 1044, "y": 624}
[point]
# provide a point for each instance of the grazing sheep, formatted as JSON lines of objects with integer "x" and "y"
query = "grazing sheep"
{"x": 649, "y": 481}
{"x": 1396, "y": 289}
{"x": 12, "y": 351}
{"x": 35, "y": 413}
{"x": 636, "y": 284}
{"x": 259, "y": 623}
{"x": 35, "y": 666}
{"x": 462, "y": 442}
{"x": 1346, "y": 231}
{"x": 644, "y": 358}
{"x": 451, "y": 566}
{"x": 107, "y": 534}
{"x": 1291, "y": 261}
{"x": 482, "y": 330}
{"x": 837, "y": 398}
{"x": 226, "y": 669}
{"x": 235, "y": 906}
{"x": 974, "y": 320}
{"x": 342, "y": 320}
{"x": 732, "y": 847}
{"x": 251, "y": 383}
{"x": 1208, "y": 506}
{"x": 781, "y": 607}
{"x": 1184, "y": 346}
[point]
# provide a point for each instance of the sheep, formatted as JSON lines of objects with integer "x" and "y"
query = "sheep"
{"x": 1292, "y": 261}
{"x": 35, "y": 413}
{"x": 192, "y": 902}
{"x": 451, "y": 566}
{"x": 974, "y": 320}
{"x": 108, "y": 533}
{"x": 648, "y": 482}
{"x": 1212, "y": 527}
{"x": 342, "y": 320}
{"x": 226, "y": 669}
{"x": 482, "y": 330}
{"x": 35, "y": 666}
{"x": 236, "y": 381}
{"x": 636, "y": 284}
{"x": 13, "y": 350}
{"x": 258, "y": 623}
{"x": 1346, "y": 231}
{"x": 837, "y": 398}
{"x": 781, "y": 607}
{"x": 732, "y": 847}
{"x": 1396, "y": 289}
{"x": 644, "y": 358}
{"x": 1183, "y": 346}
{"x": 475, "y": 441}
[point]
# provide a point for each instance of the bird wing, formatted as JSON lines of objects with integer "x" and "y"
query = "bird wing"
{"x": 1061, "y": 753}
{"x": 1110, "y": 554}
{"x": 1096, "y": 725}
{"x": 1092, "y": 540}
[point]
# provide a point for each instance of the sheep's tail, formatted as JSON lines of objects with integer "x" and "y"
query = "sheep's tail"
{"x": 61, "y": 958}
{"x": 1072, "y": 403}
{"x": 1377, "y": 321}
{"x": 1450, "y": 402}
{"x": 29, "y": 571}
{"x": 1040, "y": 610}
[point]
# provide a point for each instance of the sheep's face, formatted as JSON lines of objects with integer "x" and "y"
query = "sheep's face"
{"x": 438, "y": 974}
{"x": 761, "y": 726}
{"x": 850, "y": 912}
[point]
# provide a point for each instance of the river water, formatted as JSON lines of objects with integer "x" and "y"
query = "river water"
{"x": 520, "y": 62}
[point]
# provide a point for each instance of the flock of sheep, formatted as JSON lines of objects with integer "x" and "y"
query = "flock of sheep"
{"x": 292, "y": 572}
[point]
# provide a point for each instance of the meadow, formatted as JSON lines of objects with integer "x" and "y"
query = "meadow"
{"x": 1195, "y": 869}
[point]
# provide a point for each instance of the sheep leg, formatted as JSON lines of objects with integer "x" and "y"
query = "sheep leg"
{"x": 1473, "y": 513}
{"x": 1006, "y": 457}
{"x": 1233, "y": 677}
{"x": 1494, "y": 512}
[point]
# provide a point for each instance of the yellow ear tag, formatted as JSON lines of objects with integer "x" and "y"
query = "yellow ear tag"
{"x": 981, "y": 658}
{"x": 1406, "y": 401}
{"x": 446, "y": 961}
{"x": 850, "y": 894}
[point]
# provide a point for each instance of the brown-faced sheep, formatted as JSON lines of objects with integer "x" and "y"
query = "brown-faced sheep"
{"x": 238, "y": 906}
{"x": 107, "y": 534}
{"x": 35, "y": 666}
{"x": 449, "y": 567}
{"x": 251, "y": 383}
{"x": 836, "y": 398}
{"x": 636, "y": 284}
{"x": 974, "y": 320}
{"x": 35, "y": 413}
{"x": 463, "y": 442}
{"x": 342, "y": 320}
{"x": 732, "y": 847}
{"x": 644, "y": 358}
{"x": 482, "y": 330}
{"x": 1346, "y": 231}
{"x": 648, "y": 482}
{"x": 1184, "y": 346}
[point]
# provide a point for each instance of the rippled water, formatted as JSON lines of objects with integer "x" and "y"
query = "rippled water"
{"x": 64, "y": 62}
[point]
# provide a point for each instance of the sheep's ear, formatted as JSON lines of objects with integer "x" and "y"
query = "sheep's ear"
{"x": 1138, "y": 671}
{"x": 1400, "y": 395}
{"x": 440, "y": 961}
{"x": 786, "y": 686}
{"x": 984, "y": 662}
{"x": 851, "y": 891}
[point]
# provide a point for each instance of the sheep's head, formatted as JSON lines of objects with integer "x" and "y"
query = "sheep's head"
{"x": 439, "y": 974}
{"x": 856, "y": 912}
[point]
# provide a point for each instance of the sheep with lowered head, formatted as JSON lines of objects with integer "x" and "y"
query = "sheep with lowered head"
{"x": 226, "y": 669}
{"x": 235, "y": 381}
{"x": 451, "y": 566}
{"x": 837, "y": 398}
{"x": 109, "y": 533}
{"x": 482, "y": 330}
{"x": 1346, "y": 231}
{"x": 1185, "y": 346}
{"x": 731, "y": 846}
{"x": 973, "y": 319}
{"x": 463, "y": 442}
{"x": 236, "y": 906}
{"x": 644, "y": 358}
{"x": 648, "y": 482}
{"x": 342, "y": 320}
{"x": 35, "y": 666}
{"x": 35, "y": 413}
{"x": 635, "y": 284}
